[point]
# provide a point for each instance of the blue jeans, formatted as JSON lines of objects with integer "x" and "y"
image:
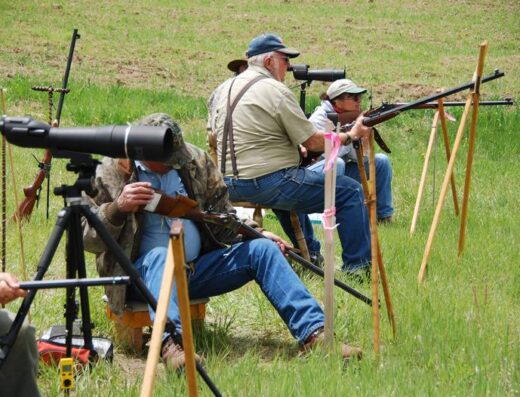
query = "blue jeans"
{"x": 227, "y": 269}
{"x": 383, "y": 183}
{"x": 302, "y": 190}
{"x": 284, "y": 217}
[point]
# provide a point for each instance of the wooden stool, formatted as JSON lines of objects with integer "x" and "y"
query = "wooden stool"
{"x": 129, "y": 326}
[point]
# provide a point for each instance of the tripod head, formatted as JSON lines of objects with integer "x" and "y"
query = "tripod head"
{"x": 82, "y": 164}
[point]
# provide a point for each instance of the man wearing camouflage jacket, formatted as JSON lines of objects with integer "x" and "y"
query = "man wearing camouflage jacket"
{"x": 221, "y": 260}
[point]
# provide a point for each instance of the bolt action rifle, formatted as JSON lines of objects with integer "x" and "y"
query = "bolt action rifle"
{"x": 32, "y": 193}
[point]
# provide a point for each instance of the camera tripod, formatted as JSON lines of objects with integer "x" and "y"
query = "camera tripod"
{"x": 69, "y": 219}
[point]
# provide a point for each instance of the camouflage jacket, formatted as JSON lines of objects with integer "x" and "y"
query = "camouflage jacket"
{"x": 202, "y": 181}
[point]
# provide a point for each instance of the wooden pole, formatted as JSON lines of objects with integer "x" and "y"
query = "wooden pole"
{"x": 384, "y": 280}
{"x": 174, "y": 260}
{"x": 444, "y": 188}
{"x": 298, "y": 233}
{"x": 451, "y": 164}
{"x": 329, "y": 202}
{"x": 159, "y": 323}
{"x": 16, "y": 201}
{"x": 424, "y": 172}
{"x": 184, "y": 306}
{"x": 4, "y": 190}
{"x": 472, "y": 138}
{"x": 446, "y": 139}
{"x": 374, "y": 241}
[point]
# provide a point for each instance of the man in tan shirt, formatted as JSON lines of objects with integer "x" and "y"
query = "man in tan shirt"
{"x": 259, "y": 126}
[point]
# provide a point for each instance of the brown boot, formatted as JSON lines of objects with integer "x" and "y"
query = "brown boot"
{"x": 173, "y": 355}
{"x": 317, "y": 338}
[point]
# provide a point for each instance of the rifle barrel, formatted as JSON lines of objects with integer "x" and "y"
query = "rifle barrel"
{"x": 370, "y": 121}
{"x": 435, "y": 105}
{"x": 251, "y": 232}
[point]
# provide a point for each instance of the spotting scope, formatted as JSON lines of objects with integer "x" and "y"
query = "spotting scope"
{"x": 153, "y": 143}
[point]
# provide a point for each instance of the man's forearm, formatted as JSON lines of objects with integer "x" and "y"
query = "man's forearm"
{"x": 316, "y": 142}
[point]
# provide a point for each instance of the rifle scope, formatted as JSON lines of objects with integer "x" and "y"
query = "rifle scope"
{"x": 302, "y": 72}
{"x": 118, "y": 141}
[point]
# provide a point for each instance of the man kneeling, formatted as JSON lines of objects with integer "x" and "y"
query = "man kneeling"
{"x": 220, "y": 259}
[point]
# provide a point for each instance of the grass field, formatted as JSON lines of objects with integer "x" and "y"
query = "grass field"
{"x": 458, "y": 334}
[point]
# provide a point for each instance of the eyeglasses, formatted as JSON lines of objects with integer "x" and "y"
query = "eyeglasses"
{"x": 286, "y": 59}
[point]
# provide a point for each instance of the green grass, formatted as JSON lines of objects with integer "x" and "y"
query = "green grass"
{"x": 458, "y": 334}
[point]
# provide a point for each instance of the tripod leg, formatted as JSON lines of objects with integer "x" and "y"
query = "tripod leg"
{"x": 7, "y": 340}
{"x": 76, "y": 266}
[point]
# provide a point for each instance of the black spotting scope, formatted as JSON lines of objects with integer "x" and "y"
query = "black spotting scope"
{"x": 302, "y": 72}
{"x": 118, "y": 141}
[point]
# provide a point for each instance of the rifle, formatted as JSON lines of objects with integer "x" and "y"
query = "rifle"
{"x": 32, "y": 193}
{"x": 381, "y": 114}
{"x": 348, "y": 117}
{"x": 388, "y": 111}
{"x": 184, "y": 207}
{"x": 231, "y": 221}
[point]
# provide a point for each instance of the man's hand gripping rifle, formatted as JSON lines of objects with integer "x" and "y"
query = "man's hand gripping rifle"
{"x": 184, "y": 207}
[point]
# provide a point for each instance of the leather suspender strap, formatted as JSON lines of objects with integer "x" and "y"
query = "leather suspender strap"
{"x": 228, "y": 127}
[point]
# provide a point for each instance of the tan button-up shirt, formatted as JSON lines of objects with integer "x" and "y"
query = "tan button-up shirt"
{"x": 268, "y": 125}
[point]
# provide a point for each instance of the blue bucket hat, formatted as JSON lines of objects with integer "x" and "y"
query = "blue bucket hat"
{"x": 269, "y": 42}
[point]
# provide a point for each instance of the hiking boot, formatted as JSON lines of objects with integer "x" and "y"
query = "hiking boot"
{"x": 385, "y": 220}
{"x": 361, "y": 274}
{"x": 317, "y": 259}
{"x": 173, "y": 355}
{"x": 317, "y": 338}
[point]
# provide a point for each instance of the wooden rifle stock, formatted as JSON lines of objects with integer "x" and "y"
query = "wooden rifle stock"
{"x": 31, "y": 193}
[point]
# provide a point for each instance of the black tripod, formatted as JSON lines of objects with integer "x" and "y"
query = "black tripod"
{"x": 69, "y": 219}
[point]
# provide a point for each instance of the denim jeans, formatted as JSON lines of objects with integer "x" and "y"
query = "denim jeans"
{"x": 227, "y": 269}
{"x": 383, "y": 183}
{"x": 302, "y": 190}
{"x": 284, "y": 217}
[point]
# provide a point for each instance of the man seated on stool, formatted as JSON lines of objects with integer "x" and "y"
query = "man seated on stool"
{"x": 221, "y": 261}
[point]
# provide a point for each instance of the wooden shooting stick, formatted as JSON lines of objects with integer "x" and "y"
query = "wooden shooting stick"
{"x": 440, "y": 115}
{"x": 4, "y": 188}
{"x": 15, "y": 189}
{"x": 329, "y": 205}
{"x": 377, "y": 257}
{"x": 473, "y": 98}
{"x": 174, "y": 269}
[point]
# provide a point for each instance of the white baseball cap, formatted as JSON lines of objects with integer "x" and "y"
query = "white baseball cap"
{"x": 344, "y": 86}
